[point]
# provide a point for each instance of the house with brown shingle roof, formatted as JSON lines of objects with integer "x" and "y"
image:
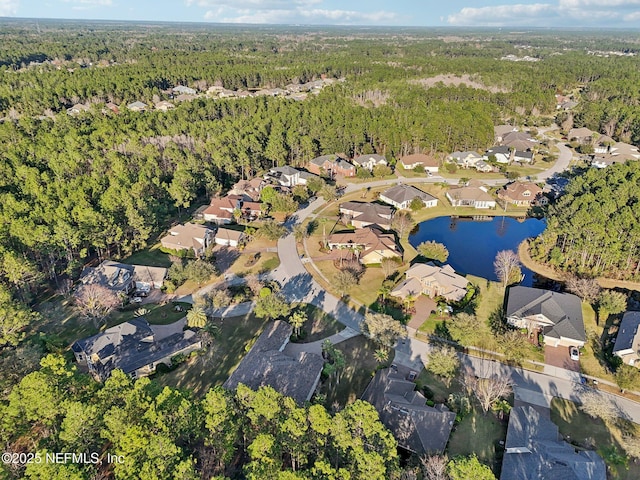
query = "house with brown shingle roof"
{"x": 363, "y": 214}
{"x": 522, "y": 194}
{"x": 471, "y": 196}
{"x": 429, "y": 163}
{"x": 371, "y": 245}
{"x": 220, "y": 211}
{"x": 519, "y": 140}
{"x": 433, "y": 281}
{"x": 189, "y": 236}
{"x": 332, "y": 165}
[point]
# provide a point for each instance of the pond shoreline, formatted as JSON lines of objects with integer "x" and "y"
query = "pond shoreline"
{"x": 546, "y": 271}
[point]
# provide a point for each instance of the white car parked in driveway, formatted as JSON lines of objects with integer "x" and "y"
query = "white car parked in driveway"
{"x": 574, "y": 353}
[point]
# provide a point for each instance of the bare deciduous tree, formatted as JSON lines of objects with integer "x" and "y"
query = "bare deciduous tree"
{"x": 587, "y": 289}
{"x": 507, "y": 266}
{"x": 434, "y": 467}
{"x": 96, "y": 302}
{"x": 402, "y": 222}
{"x": 389, "y": 265}
{"x": 488, "y": 390}
{"x": 254, "y": 283}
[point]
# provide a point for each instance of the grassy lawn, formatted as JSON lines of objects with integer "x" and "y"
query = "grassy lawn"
{"x": 480, "y": 434}
{"x": 318, "y": 325}
{"x": 360, "y": 368}
{"x": 213, "y": 366}
{"x": 267, "y": 261}
{"x": 158, "y": 314}
{"x": 151, "y": 256}
{"x": 585, "y": 432}
{"x": 61, "y": 322}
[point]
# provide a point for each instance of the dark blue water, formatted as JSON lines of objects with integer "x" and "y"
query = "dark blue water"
{"x": 473, "y": 244}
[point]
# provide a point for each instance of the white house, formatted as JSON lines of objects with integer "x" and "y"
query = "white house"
{"x": 402, "y": 195}
{"x": 369, "y": 161}
{"x": 228, "y": 237}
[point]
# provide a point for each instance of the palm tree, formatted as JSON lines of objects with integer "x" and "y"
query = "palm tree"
{"x": 196, "y": 317}
{"x": 141, "y": 312}
{"x": 299, "y": 232}
{"x": 381, "y": 355}
{"x": 297, "y": 321}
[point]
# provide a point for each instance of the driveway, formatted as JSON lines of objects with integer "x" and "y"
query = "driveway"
{"x": 560, "y": 357}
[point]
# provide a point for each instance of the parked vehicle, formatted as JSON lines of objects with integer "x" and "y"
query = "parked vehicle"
{"x": 574, "y": 353}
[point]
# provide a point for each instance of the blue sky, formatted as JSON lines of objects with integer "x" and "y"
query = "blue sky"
{"x": 540, "y": 13}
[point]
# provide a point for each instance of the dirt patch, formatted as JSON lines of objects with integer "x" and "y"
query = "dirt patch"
{"x": 456, "y": 80}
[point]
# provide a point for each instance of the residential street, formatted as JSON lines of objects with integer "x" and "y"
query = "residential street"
{"x": 298, "y": 285}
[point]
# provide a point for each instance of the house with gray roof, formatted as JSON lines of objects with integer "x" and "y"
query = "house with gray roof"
{"x": 535, "y": 450}
{"x": 181, "y": 89}
{"x": 266, "y": 364}
{"x": 363, "y": 214}
{"x": 135, "y": 347}
{"x": 137, "y": 106}
{"x": 502, "y": 154}
{"x": 627, "y": 345}
{"x": 519, "y": 140}
{"x": 117, "y": 277}
{"x": 402, "y": 195}
{"x": 416, "y": 426}
{"x": 557, "y": 315}
{"x": 465, "y": 159}
{"x": 288, "y": 176}
{"x": 369, "y": 161}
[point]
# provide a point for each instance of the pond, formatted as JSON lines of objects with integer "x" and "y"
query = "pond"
{"x": 473, "y": 242}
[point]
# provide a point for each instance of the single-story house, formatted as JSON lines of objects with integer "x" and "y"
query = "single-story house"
{"x": 181, "y": 89}
{"x": 113, "y": 107}
{"x": 332, "y": 165}
{"x": 188, "y": 236}
{"x": 369, "y": 161}
{"x": 465, "y": 159}
{"x": 580, "y": 135}
{"x": 500, "y": 131}
{"x": 147, "y": 278}
{"x": 502, "y": 154}
{"x": 402, "y": 195}
{"x": 117, "y": 277}
{"x": 417, "y": 427}
{"x": 137, "y": 106}
{"x": 433, "y": 281}
{"x": 557, "y": 315}
{"x": 627, "y": 345}
{"x": 603, "y": 144}
{"x": 534, "y": 450}
{"x": 294, "y": 376}
{"x": 519, "y": 141}
{"x": 522, "y": 194}
{"x": 429, "y": 163}
{"x": 471, "y": 196}
{"x": 363, "y": 214}
{"x": 135, "y": 347}
{"x": 482, "y": 166}
{"x": 522, "y": 157}
{"x": 228, "y": 238}
{"x": 77, "y": 108}
{"x": 163, "y": 106}
{"x": 370, "y": 244}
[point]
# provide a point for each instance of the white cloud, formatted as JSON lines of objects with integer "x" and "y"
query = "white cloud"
{"x": 499, "y": 15}
{"x": 9, "y": 8}
{"x": 285, "y": 11}
{"x": 563, "y": 13}
{"x": 90, "y": 3}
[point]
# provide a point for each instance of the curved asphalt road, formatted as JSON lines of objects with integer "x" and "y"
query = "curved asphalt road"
{"x": 299, "y": 286}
